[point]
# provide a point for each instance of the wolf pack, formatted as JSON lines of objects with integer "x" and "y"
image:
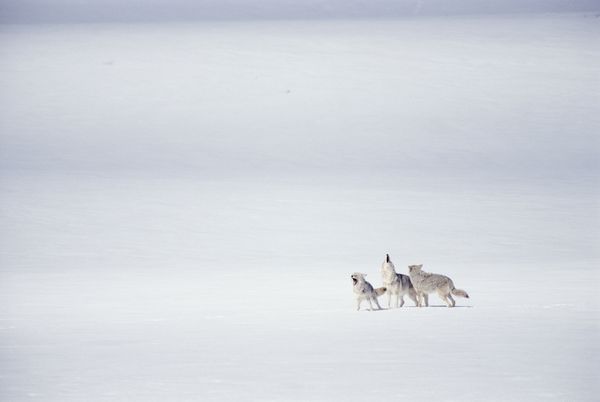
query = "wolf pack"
{"x": 417, "y": 285}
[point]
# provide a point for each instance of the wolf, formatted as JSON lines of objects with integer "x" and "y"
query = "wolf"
{"x": 425, "y": 283}
{"x": 396, "y": 284}
{"x": 364, "y": 291}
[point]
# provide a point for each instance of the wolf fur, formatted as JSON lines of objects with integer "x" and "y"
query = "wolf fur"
{"x": 425, "y": 283}
{"x": 396, "y": 284}
{"x": 364, "y": 291}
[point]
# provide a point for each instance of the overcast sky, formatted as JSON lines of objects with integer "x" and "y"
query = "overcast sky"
{"x": 32, "y": 11}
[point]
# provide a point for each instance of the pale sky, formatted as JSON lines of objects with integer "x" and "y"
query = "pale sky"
{"x": 32, "y": 11}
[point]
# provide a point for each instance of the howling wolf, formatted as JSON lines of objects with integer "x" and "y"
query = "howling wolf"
{"x": 396, "y": 284}
{"x": 425, "y": 283}
{"x": 364, "y": 290}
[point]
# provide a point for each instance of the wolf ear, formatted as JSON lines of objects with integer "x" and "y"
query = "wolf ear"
{"x": 420, "y": 266}
{"x": 387, "y": 258}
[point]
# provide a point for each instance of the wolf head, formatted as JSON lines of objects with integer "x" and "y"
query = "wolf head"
{"x": 357, "y": 277}
{"x": 413, "y": 269}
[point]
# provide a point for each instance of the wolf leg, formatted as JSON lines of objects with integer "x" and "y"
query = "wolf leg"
{"x": 376, "y": 302}
{"x": 420, "y": 299}
{"x": 401, "y": 300}
{"x": 451, "y": 300}
{"x": 426, "y": 299}
{"x": 446, "y": 297}
{"x": 397, "y": 300}
{"x": 442, "y": 296}
{"x": 358, "y": 300}
{"x": 413, "y": 296}
{"x": 370, "y": 302}
{"x": 389, "y": 295}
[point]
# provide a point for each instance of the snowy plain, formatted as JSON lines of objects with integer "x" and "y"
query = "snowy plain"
{"x": 182, "y": 205}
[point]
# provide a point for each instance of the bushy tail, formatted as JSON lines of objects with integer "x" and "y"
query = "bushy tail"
{"x": 460, "y": 293}
{"x": 381, "y": 291}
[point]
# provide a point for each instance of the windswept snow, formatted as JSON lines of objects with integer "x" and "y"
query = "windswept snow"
{"x": 182, "y": 205}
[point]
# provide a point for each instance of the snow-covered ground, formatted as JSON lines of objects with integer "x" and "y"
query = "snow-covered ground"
{"x": 182, "y": 206}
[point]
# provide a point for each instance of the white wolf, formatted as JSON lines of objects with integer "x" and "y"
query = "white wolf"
{"x": 396, "y": 284}
{"x": 364, "y": 290}
{"x": 425, "y": 283}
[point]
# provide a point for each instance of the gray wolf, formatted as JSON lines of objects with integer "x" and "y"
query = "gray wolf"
{"x": 425, "y": 283}
{"x": 396, "y": 284}
{"x": 364, "y": 290}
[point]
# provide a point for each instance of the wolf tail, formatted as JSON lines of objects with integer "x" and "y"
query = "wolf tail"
{"x": 380, "y": 291}
{"x": 459, "y": 293}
